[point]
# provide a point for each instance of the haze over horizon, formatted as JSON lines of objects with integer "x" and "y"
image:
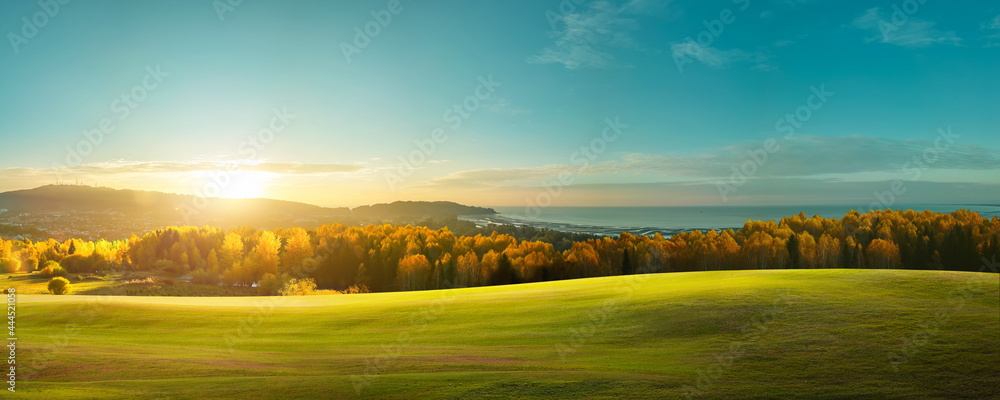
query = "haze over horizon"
{"x": 602, "y": 103}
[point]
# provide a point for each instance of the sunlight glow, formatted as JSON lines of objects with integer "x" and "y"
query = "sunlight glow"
{"x": 247, "y": 185}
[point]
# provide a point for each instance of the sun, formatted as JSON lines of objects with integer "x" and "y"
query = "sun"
{"x": 246, "y": 185}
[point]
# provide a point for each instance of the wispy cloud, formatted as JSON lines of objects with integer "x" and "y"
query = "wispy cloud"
{"x": 303, "y": 169}
{"x": 483, "y": 178}
{"x": 585, "y": 39}
{"x": 645, "y": 6}
{"x": 501, "y": 105}
{"x": 806, "y": 156}
{"x": 821, "y": 155}
{"x": 993, "y": 32}
{"x": 192, "y": 177}
{"x": 994, "y": 24}
{"x": 177, "y": 167}
{"x": 765, "y": 191}
{"x": 912, "y": 32}
{"x": 716, "y": 58}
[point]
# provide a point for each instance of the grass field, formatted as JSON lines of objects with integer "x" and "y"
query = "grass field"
{"x": 831, "y": 334}
{"x": 140, "y": 283}
{"x": 34, "y": 283}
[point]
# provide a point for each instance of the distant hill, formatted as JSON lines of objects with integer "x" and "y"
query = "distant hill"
{"x": 418, "y": 209}
{"x": 67, "y": 202}
{"x": 162, "y": 207}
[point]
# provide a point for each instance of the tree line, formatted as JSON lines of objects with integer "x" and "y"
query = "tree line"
{"x": 392, "y": 257}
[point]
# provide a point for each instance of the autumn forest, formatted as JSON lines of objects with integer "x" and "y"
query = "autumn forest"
{"x": 397, "y": 258}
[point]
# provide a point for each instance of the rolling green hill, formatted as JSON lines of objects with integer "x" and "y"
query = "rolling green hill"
{"x": 828, "y": 334}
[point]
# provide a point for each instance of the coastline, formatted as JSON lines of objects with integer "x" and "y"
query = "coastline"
{"x": 670, "y": 220}
{"x": 483, "y": 221}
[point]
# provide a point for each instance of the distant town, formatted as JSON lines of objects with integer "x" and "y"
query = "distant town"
{"x": 61, "y": 225}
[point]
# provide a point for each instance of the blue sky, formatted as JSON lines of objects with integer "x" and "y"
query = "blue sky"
{"x": 345, "y": 130}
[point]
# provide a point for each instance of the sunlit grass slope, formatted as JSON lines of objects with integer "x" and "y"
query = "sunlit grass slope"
{"x": 834, "y": 334}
